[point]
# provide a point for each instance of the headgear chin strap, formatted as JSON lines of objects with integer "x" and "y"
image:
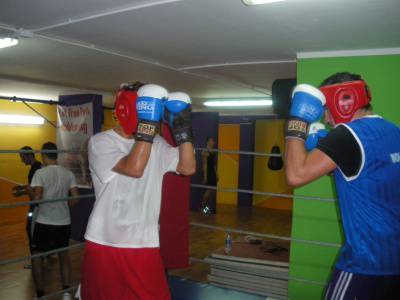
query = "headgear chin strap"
{"x": 344, "y": 99}
{"x": 125, "y": 110}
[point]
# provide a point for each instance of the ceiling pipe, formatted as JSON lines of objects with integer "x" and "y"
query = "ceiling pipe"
{"x": 8, "y": 27}
{"x": 231, "y": 64}
{"x": 104, "y": 50}
{"x": 110, "y": 12}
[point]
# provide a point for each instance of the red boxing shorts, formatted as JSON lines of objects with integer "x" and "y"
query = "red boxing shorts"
{"x": 112, "y": 273}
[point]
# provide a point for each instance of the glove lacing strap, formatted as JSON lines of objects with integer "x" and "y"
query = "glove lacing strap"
{"x": 296, "y": 128}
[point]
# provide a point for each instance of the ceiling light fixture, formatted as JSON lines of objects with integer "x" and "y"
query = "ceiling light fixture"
{"x": 21, "y": 120}
{"x": 257, "y": 2}
{"x": 8, "y": 42}
{"x": 238, "y": 102}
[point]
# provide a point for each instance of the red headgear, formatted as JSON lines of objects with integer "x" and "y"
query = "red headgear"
{"x": 125, "y": 110}
{"x": 344, "y": 99}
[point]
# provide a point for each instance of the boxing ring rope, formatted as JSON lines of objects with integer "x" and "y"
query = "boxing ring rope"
{"x": 42, "y": 254}
{"x": 193, "y": 224}
{"x": 72, "y": 289}
{"x": 25, "y": 203}
{"x": 232, "y": 190}
{"x": 197, "y": 149}
{"x": 240, "y": 152}
{"x": 264, "y": 235}
{"x": 211, "y": 187}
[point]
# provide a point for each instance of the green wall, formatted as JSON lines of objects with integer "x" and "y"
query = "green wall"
{"x": 320, "y": 221}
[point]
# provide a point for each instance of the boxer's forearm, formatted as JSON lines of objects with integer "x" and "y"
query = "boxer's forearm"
{"x": 187, "y": 161}
{"x": 303, "y": 167}
{"x": 134, "y": 163}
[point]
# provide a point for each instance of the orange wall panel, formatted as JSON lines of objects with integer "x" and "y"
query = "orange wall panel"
{"x": 228, "y": 164}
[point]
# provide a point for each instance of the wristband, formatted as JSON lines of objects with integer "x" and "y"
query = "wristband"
{"x": 296, "y": 128}
{"x": 146, "y": 130}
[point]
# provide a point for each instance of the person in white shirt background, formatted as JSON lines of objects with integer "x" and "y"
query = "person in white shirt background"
{"x": 53, "y": 221}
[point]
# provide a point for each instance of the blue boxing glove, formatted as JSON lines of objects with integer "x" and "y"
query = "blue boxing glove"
{"x": 307, "y": 107}
{"x": 149, "y": 107}
{"x": 178, "y": 109}
{"x": 317, "y": 130}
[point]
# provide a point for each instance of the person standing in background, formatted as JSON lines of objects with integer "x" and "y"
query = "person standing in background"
{"x": 53, "y": 222}
{"x": 209, "y": 174}
{"x": 28, "y": 159}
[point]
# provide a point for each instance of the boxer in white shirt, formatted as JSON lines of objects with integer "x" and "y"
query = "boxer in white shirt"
{"x": 122, "y": 258}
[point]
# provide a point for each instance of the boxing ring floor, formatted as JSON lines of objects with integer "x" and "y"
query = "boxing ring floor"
{"x": 16, "y": 282}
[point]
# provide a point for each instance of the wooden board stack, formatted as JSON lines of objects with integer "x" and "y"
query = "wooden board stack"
{"x": 253, "y": 265}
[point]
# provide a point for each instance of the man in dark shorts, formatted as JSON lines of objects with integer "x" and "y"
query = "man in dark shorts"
{"x": 53, "y": 222}
{"x": 209, "y": 174}
{"x": 363, "y": 152}
{"x": 28, "y": 159}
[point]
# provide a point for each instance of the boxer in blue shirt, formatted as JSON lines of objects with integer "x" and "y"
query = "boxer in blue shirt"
{"x": 363, "y": 152}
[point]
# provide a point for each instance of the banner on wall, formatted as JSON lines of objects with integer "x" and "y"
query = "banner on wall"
{"x": 75, "y": 127}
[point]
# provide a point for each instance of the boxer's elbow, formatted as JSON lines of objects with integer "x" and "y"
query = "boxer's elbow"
{"x": 293, "y": 181}
{"x": 186, "y": 169}
{"x": 295, "y": 177}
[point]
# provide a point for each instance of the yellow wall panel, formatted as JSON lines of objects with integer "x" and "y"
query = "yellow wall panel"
{"x": 11, "y": 215}
{"x": 14, "y": 137}
{"x": 109, "y": 120}
{"x": 269, "y": 133}
{"x": 228, "y": 164}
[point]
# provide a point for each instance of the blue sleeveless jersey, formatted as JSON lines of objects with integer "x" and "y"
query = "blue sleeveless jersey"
{"x": 370, "y": 201}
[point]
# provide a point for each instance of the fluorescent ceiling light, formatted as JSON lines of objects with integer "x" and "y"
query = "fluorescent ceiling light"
{"x": 256, "y": 2}
{"x": 21, "y": 120}
{"x": 238, "y": 103}
{"x": 7, "y": 42}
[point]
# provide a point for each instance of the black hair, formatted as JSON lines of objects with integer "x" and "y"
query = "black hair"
{"x": 340, "y": 77}
{"x": 132, "y": 86}
{"x": 50, "y": 146}
{"x": 29, "y": 149}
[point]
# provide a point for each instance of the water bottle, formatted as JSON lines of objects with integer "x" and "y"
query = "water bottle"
{"x": 228, "y": 243}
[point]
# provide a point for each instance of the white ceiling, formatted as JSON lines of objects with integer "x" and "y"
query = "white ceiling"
{"x": 208, "y": 48}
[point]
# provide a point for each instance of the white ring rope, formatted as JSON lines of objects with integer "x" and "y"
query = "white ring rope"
{"x": 194, "y": 224}
{"x": 197, "y": 149}
{"x": 230, "y": 190}
{"x": 37, "y": 255}
{"x": 52, "y": 295}
{"x": 38, "y": 151}
{"x": 26, "y": 203}
{"x": 264, "y": 235}
{"x": 211, "y": 187}
{"x": 240, "y": 152}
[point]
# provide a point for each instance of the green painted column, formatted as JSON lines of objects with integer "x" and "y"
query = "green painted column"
{"x": 320, "y": 221}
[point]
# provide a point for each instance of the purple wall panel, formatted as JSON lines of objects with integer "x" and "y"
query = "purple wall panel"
{"x": 246, "y": 163}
